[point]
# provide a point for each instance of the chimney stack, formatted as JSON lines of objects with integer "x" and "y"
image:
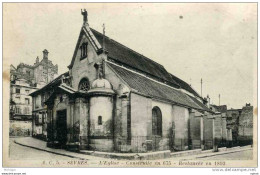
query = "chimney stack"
{"x": 37, "y": 59}
{"x": 84, "y": 13}
{"x": 208, "y": 101}
{"x": 45, "y": 54}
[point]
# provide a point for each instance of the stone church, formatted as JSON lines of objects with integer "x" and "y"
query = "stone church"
{"x": 114, "y": 99}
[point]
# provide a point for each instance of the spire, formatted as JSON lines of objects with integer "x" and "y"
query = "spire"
{"x": 84, "y": 13}
{"x": 104, "y": 34}
{"x": 201, "y": 86}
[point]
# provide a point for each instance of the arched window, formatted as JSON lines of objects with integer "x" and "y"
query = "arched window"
{"x": 156, "y": 121}
{"x": 84, "y": 84}
{"x": 83, "y": 50}
{"x": 99, "y": 120}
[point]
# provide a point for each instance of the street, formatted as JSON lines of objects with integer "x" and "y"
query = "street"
{"x": 241, "y": 155}
{"x": 18, "y": 152}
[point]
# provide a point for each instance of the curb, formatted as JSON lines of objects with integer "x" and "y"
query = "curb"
{"x": 195, "y": 154}
{"x": 223, "y": 152}
{"x": 48, "y": 151}
{"x": 130, "y": 156}
{"x": 218, "y": 153}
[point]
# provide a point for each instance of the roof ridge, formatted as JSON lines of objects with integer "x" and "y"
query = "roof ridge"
{"x": 128, "y": 48}
{"x": 137, "y": 73}
{"x": 186, "y": 84}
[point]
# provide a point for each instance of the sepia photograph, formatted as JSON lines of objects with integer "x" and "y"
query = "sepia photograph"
{"x": 130, "y": 85}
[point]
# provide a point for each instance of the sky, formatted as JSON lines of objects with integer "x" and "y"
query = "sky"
{"x": 213, "y": 41}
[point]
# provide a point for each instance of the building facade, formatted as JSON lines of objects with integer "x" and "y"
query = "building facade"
{"x": 20, "y": 108}
{"x": 245, "y": 127}
{"x": 233, "y": 116}
{"x": 25, "y": 79}
{"x": 115, "y": 99}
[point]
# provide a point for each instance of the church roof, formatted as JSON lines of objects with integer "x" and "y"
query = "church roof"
{"x": 124, "y": 55}
{"x": 155, "y": 89}
{"x": 185, "y": 85}
{"x": 131, "y": 59}
{"x": 204, "y": 107}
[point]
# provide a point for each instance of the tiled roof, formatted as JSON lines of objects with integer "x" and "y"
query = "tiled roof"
{"x": 55, "y": 82}
{"x": 185, "y": 85}
{"x": 154, "y": 89}
{"x": 122, "y": 54}
{"x": 200, "y": 104}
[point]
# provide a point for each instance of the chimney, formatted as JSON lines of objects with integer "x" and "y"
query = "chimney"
{"x": 37, "y": 59}
{"x": 45, "y": 54}
{"x": 208, "y": 101}
{"x": 84, "y": 13}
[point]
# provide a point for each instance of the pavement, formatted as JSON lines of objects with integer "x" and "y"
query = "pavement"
{"x": 235, "y": 153}
{"x": 19, "y": 152}
{"x": 40, "y": 148}
{"x": 40, "y": 145}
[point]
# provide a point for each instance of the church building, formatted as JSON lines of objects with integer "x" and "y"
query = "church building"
{"x": 114, "y": 99}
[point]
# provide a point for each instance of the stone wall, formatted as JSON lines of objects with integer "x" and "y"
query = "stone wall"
{"x": 20, "y": 128}
{"x": 208, "y": 131}
{"x": 180, "y": 117}
{"x": 217, "y": 129}
{"x": 195, "y": 130}
{"x": 102, "y": 133}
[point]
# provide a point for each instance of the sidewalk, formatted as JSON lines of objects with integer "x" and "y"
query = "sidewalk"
{"x": 86, "y": 155}
{"x": 41, "y": 145}
{"x": 209, "y": 153}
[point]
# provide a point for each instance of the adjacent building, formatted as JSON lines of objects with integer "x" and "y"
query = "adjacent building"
{"x": 233, "y": 116}
{"x": 39, "y": 108}
{"x": 25, "y": 79}
{"x": 245, "y": 127}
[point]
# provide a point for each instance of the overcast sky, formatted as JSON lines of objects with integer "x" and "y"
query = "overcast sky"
{"x": 215, "y": 42}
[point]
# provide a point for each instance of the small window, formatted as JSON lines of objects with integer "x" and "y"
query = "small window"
{"x": 17, "y": 91}
{"x": 17, "y": 110}
{"x": 27, "y": 101}
{"x": 27, "y": 91}
{"x": 28, "y": 72}
{"x": 84, "y": 50}
{"x": 99, "y": 120}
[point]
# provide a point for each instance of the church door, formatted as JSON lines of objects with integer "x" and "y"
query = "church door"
{"x": 62, "y": 128}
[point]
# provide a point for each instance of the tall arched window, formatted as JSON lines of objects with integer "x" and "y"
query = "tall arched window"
{"x": 99, "y": 120}
{"x": 84, "y": 84}
{"x": 156, "y": 121}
